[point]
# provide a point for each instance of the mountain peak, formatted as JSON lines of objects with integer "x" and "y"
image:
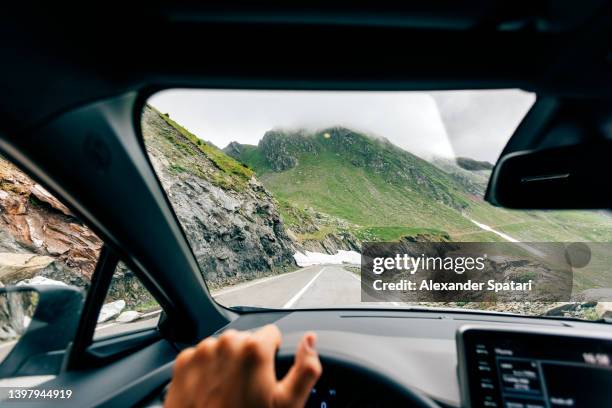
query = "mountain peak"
{"x": 235, "y": 149}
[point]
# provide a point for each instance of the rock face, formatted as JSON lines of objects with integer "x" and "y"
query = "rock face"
{"x": 17, "y": 267}
{"x": 231, "y": 221}
{"x": 317, "y": 232}
{"x": 16, "y": 311}
{"x": 126, "y": 286}
{"x": 42, "y": 243}
{"x": 39, "y": 235}
{"x": 281, "y": 150}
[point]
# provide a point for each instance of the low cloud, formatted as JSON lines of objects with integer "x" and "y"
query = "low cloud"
{"x": 476, "y": 124}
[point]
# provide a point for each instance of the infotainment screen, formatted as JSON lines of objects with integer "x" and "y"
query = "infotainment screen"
{"x": 512, "y": 369}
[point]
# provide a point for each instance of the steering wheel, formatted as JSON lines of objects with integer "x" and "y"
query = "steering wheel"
{"x": 345, "y": 383}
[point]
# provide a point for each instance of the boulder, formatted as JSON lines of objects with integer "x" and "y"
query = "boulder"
{"x": 128, "y": 316}
{"x": 111, "y": 310}
{"x": 17, "y": 267}
{"x": 604, "y": 310}
{"x": 558, "y": 309}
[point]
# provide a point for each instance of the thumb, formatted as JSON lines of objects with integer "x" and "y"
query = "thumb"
{"x": 294, "y": 389}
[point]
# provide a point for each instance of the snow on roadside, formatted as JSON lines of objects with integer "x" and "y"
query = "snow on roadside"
{"x": 110, "y": 310}
{"x": 316, "y": 258}
{"x": 40, "y": 280}
{"x": 128, "y": 316}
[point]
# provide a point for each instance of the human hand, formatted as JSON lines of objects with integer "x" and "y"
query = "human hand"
{"x": 237, "y": 370}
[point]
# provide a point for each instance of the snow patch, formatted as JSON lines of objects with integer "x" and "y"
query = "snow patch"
{"x": 316, "y": 258}
{"x": 41, "y": 280}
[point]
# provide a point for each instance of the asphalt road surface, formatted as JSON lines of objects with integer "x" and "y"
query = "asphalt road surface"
{"x": 312, "y": 287}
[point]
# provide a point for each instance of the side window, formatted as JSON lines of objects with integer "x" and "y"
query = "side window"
{"x": 128, "y": 306}
{"x": 41, "y": 242}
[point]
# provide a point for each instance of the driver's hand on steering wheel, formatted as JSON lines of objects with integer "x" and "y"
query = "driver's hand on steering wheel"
{"x": 237, "y": 370}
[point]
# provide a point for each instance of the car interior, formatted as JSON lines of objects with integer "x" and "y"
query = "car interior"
{"x": 78, "y": 82}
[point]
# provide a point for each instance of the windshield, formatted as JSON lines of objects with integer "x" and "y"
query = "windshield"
{"x": 282, "y": 193}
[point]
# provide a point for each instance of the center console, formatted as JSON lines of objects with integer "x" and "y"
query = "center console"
{"x": 533, "y": 369}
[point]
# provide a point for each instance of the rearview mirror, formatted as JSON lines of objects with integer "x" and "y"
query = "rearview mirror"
{"x": 43, "y": 320}
{"x": 568, "y": 177}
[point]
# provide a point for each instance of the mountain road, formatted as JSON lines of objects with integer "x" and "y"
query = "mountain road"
{"x": 311, "y": 287}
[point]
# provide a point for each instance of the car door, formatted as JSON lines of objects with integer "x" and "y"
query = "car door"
{"x": 92, "y": 159}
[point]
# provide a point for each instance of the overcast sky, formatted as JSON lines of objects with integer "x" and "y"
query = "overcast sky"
{"x": 475, "y": 124}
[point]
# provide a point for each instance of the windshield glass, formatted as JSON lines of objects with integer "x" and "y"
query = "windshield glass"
{"x": 281, "y": 192}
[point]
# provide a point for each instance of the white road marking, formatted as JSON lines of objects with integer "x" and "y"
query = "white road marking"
{"x": 487, "y": 228}
{"x": 298, "y": 295}
{"x": 253, "y": 283}
{"x": 509, "y": 238}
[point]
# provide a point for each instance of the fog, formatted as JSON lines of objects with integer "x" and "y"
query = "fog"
{"x": 474, "y": 124}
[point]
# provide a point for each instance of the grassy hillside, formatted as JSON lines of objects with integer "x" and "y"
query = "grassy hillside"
{"x": 184, "y": 150}
{"x": 358, "y": 196}
{"x": 384, "y": 192}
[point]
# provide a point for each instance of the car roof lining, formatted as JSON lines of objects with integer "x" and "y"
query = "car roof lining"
{"x": 64, "y": 56}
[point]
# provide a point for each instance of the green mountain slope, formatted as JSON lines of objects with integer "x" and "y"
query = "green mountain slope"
{"x": 383, "y": 192}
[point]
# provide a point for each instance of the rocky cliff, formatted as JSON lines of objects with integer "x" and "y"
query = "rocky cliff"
{"x": 231, "y": 221}
{"x": 39, "y": 235}
{"x": 41, "y": 238}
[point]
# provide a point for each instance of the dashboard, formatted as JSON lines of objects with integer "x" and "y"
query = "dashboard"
{"x": 533, "y": 369}
{"x": 424, "y": 350}
{"x": 371, "y": 357}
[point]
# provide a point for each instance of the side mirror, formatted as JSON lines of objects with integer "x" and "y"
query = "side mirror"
{"x": 568, "y": 177}
{"x": 46, "y": 317}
